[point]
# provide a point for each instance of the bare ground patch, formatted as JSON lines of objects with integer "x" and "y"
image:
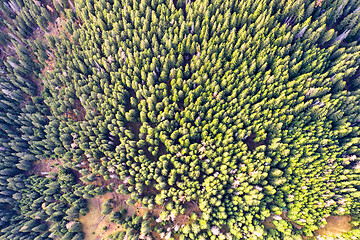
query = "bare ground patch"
{"x": 94, "y": 222}
{"x": 43, "y": 167}
{"x": 336, "y": 225}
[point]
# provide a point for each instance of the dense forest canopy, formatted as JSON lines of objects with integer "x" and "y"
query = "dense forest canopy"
{"x": 233, "y": 113}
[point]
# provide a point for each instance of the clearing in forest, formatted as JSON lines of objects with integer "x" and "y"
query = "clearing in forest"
{"x": 94, "y": 222}
{"x": 336, "y": 225}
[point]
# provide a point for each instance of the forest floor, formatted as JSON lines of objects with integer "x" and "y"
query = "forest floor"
{"x": 94, "y": 222}
{"x": 45, "y": 166}
{"x": 335, "y": 227}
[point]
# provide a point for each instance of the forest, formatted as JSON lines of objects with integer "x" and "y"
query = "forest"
{"x": 219, "y": 119}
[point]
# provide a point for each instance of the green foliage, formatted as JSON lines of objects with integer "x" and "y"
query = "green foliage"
{"x": 106, "y": 207}
{"x": 238, "y": 110}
